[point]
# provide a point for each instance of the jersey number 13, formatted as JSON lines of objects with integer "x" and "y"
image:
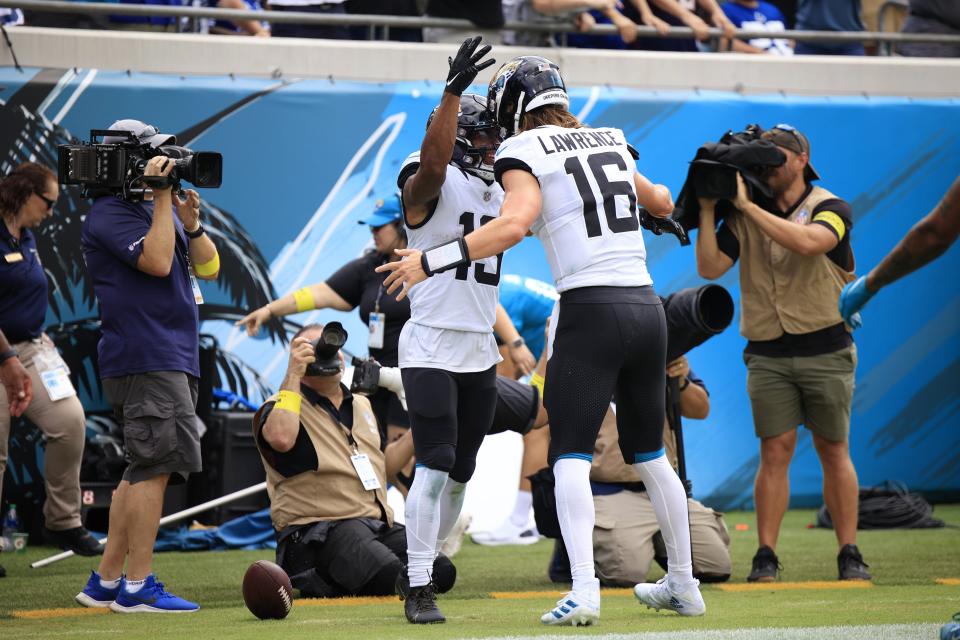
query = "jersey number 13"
{"x": 479, "y": 272}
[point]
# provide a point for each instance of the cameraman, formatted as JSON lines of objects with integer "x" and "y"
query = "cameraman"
{"x": 143, "y": 258}
{"x": 316, "y": 438}
{"x": 800, "y": 356}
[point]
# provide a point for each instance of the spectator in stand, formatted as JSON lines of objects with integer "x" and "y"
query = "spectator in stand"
{"x": 294, "y": 30}
{"x": 240, "y": 27}
{"x": 147, "y": 23}
{"x": 789, "y": 10}
{"x": 626, "y": 26}
{"x": 584, "y": 14}
{"x": 385, "y": 8}
{"x": 757, "y": 15}
{"x": 680, "y": 13}
{"x": 932, "y": 16}
{"x": 487, "y": 15}
{"x": 829, "y": 15}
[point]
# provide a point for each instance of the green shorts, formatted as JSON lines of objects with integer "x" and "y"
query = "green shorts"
{"x": 814, "y": 391}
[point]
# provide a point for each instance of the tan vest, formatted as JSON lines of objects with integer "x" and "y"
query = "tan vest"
{"x": 333, "y": 491}
{"x": 783, "y": 291}
{"x": 608, "y": 464}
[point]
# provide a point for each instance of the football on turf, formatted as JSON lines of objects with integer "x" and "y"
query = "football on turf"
{"x": 267, "y": 591}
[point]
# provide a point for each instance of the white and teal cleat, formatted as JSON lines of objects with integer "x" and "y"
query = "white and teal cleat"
{"x": 660, "y": 596}
{"x": 572, "y": 611}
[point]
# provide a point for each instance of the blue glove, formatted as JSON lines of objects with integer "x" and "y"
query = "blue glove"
{"x": 853, "y": 298}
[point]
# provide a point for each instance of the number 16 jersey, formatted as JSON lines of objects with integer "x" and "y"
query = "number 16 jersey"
{"x": 588, "y": 220}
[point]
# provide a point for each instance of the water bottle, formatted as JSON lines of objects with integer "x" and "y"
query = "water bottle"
{"x": 11, "y": 525}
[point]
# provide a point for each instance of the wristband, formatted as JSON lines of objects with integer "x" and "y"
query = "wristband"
{"x": 444, "y": 257}
{"x": 208, "y": 268}
{"x": 304, "y": 299}
{"x": 6, "y": 355}
{"x": 193, "y": 235}
{"x": 289, "y": 401}
{"x": 685, "y": 384}
{"x": 536, "y": 380}
{"x": 519, "y": 342}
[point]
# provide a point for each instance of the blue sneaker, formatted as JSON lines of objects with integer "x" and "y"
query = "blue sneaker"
{"x": 151, "y": 598}
{"x": 95, "y": 596}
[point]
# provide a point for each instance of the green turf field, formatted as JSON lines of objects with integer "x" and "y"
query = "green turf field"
{"x": 906, "y": 564}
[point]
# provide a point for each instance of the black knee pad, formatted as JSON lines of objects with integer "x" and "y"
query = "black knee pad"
{"x": 439, "y": 457}
{"x": 444, "y": 574}
{"x": 463, "y": 470}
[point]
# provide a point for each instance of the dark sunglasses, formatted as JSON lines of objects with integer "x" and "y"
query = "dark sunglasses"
{"x": 49, "y": 202}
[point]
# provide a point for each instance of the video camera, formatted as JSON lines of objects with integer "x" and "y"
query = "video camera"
{"x": 326, "y": 350}
{"x": 113, "y": 168}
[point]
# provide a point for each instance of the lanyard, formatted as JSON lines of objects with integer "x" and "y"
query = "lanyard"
{"x": 316, "y": 399}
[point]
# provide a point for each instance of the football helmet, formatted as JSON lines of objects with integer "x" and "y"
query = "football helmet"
{"x": 521, "y": 85}
{"x": 473, "y": 117}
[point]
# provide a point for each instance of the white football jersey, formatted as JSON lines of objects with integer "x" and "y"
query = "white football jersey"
{"x": 463, "y": 299}
{"x": 588, "y": 222}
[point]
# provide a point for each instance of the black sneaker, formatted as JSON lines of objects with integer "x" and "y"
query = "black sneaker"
{"x": 78, "y": 540}
{"x": 851, "y": 565}
{"x": 421, "y": 606}
{"x": 766, "y": 566}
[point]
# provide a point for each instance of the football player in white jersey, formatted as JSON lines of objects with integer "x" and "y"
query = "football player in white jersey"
{"x": 447, "y": 351}
{"x": 577, "y": 189}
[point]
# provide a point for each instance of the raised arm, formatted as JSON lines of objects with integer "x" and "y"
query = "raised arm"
{"x": 156, "y": 258}
{"x": 423, "y": 187}
{"x": 711, "y": 261}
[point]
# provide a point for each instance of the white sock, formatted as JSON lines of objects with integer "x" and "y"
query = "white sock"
{"x": 521, "y": 509}
{"x": 670, "y": 504}
{"x": 451, "y": 503}
{"x": 135, "y": 585}
{"x": 576, "y": 515}
{"x": 422, "y": 519}
{"x": 110, "y": 584}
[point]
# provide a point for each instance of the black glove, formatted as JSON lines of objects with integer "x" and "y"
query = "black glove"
{"x": 659, "y": 226}
{"x": 464, "y": 68}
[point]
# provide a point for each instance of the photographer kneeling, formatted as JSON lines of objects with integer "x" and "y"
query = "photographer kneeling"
{"x": 326, "y": 479}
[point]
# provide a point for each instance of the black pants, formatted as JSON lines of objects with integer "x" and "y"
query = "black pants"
{"x": 293, "y": 30}
{"x": 356, "y": 558}
{"x": 609, "y": 343}
{"x": 450, "y": 414}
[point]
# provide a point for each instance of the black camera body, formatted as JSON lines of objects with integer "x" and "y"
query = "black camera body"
{"x": 326, "y": 349}
{"x": 112, "y": 168}
{"x": 366, "y": 376}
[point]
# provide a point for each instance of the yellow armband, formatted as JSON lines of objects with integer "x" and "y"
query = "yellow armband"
{"x": 304, "y": 299}
{"x": 289, "y": 401}
{"x": 536, "y": 380}
{"x": 835, "y": 222}
{"x": 209, "y": 268}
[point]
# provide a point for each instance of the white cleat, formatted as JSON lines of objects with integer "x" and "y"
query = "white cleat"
{"x": 572, "y": 611}
{"x": 659, "y": 596}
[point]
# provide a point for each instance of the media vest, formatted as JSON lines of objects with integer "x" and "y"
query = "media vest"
{"x": 783, "y": 291}
{"x": 333, "y": 490}
{"x": 608, "y": 463}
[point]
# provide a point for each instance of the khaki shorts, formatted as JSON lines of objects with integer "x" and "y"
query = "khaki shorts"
{"x": 814, "y": 391}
